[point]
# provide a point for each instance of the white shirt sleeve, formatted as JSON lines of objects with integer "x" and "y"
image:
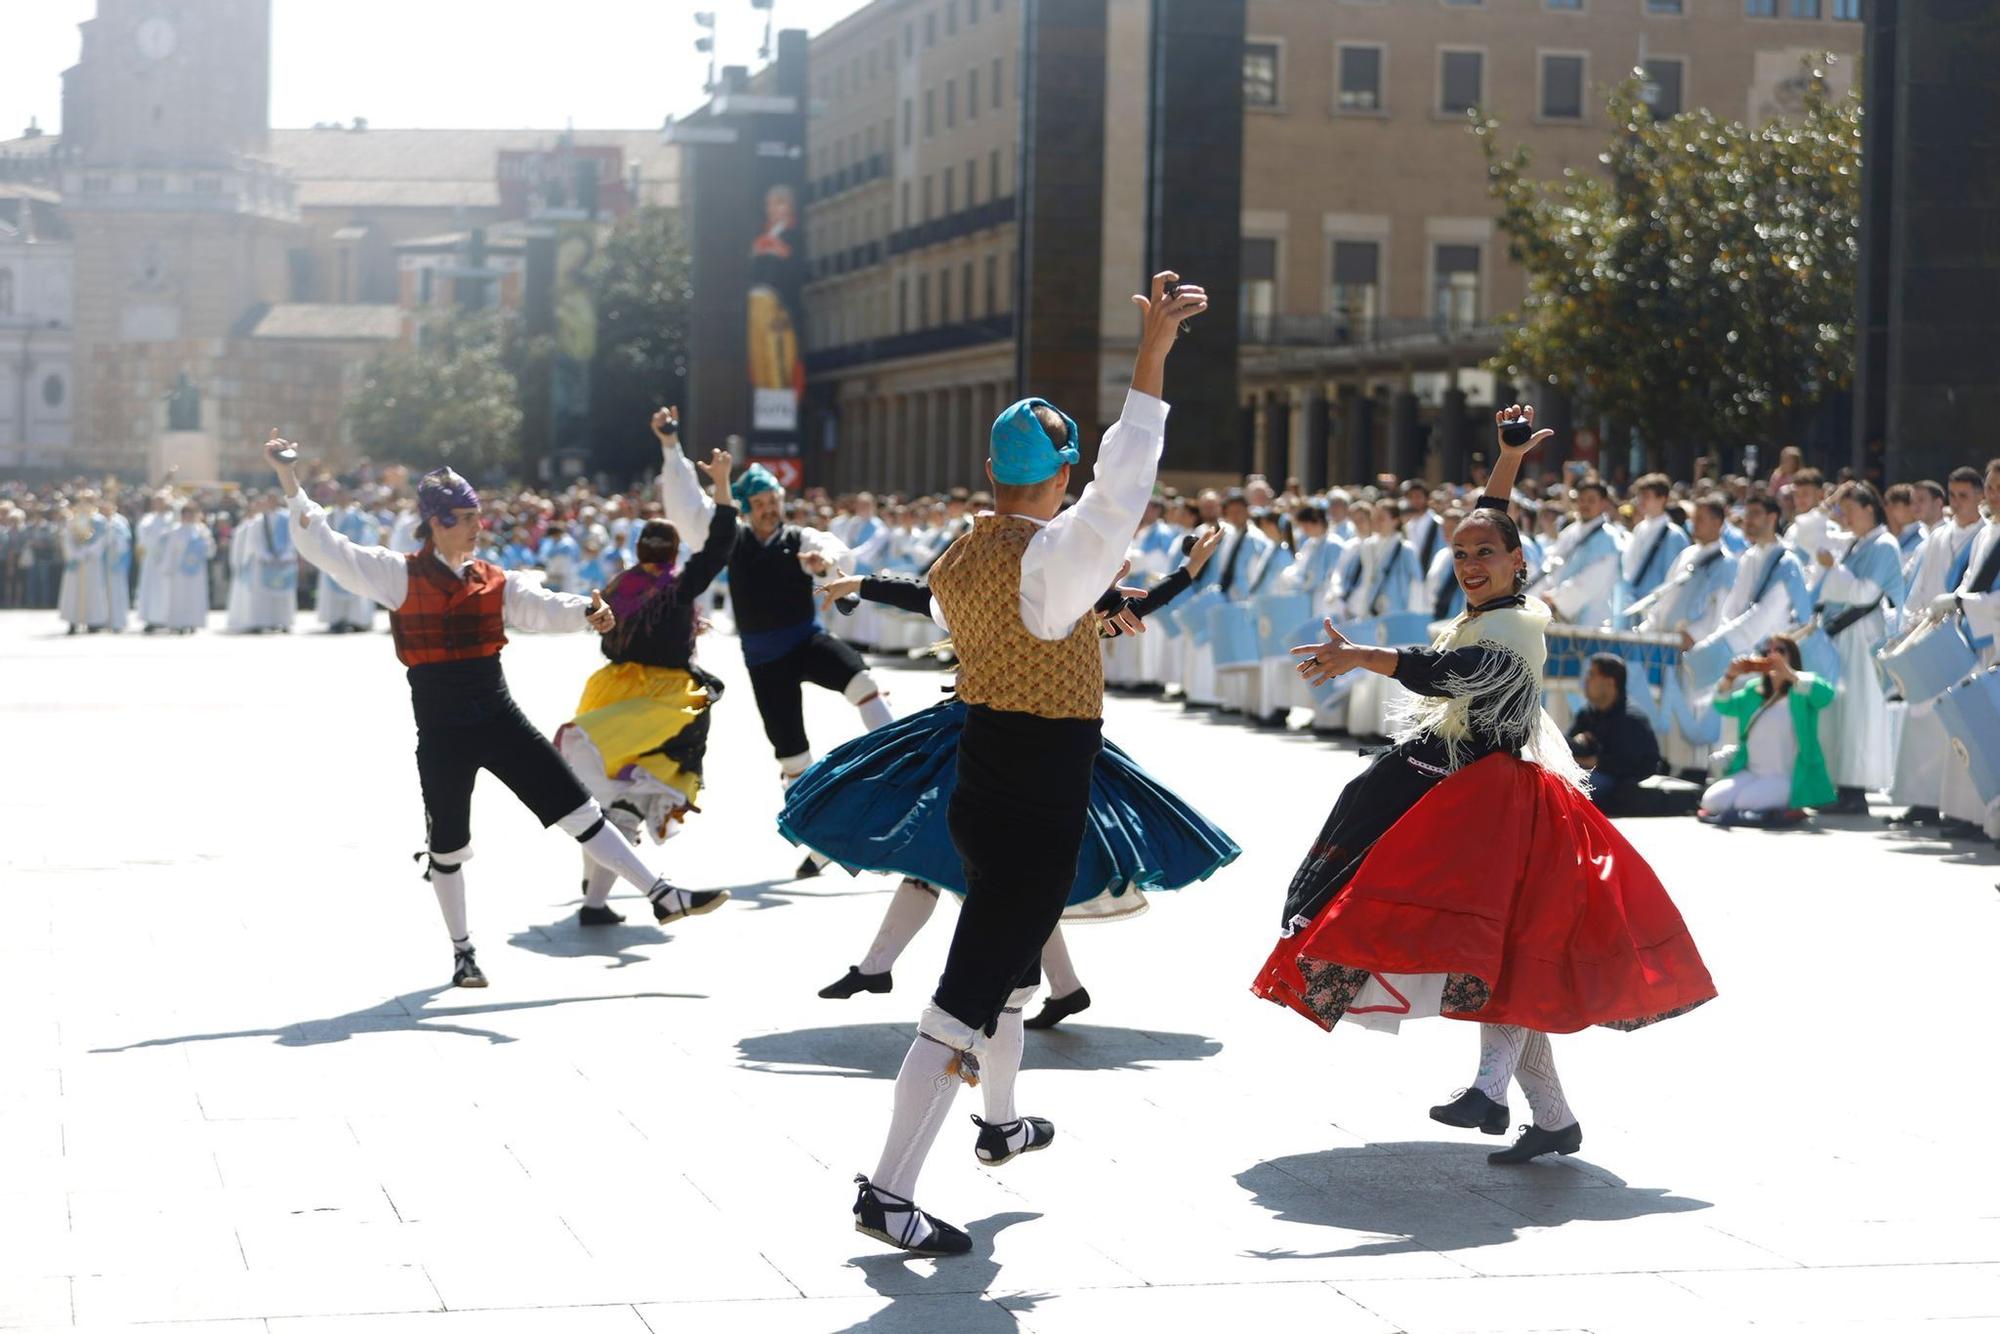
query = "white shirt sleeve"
{"x": 1844, "y": 585}
{"x": 819, "y": 542}
{"x": 1072, "y": 560}
{"x": 687, "y": 504}
{"x": 533, "y": 606}
{"x": 375, "y": 572}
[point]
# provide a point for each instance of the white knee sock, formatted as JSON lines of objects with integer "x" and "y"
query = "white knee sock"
{"x": 1499, "y": 1053}
{"x": 1001, "y": 1063}
{"x": 791, "y": 766}
{"x": 925, "y": 1087}
{"x": 1057, "y": 968}
{"x": 909, "y": 908}
{"x": 875, "y": 712}
{"x": 1537, "y": 1073}
{"x": 608, "y": 848}
{"x": 597, "y": 882}
{"x": 449, "y": 886}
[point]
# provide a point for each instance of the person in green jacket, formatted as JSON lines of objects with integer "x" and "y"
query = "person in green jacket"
{"x": 1778, "y": 767}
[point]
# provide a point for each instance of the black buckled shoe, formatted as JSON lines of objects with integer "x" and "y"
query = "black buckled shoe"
{"x": 592, "y": 915}
{"x": 465, "y": 970}
{"x": 856, "y": 981}
{"x": 671, "y": 902}
{"x": 1915, "y": 815}
{"x": 996, "y": 1140}
{"x": 808, "y": 868}
{"x": 873, "y": 1206}
{"x": 1473, "y": 1110}
{"x": 1058, "y": 1008}
{"x": 1535, "y": 1142}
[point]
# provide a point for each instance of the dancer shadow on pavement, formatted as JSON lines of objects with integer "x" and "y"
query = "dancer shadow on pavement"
{"x": 1439, "y": 1196}
{"x": 926, "y": 1295}
{"x": 400, "y": 1014}
{"x": 564, "y": 939}
{"x": 876, "y": 1051}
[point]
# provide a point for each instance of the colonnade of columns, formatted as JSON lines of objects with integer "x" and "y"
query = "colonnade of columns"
{"x": 917, "y": 441}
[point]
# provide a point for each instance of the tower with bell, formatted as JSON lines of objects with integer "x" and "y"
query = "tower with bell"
{"x": 182, "y": 228}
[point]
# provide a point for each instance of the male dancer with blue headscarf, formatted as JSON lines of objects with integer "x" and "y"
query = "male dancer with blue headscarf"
{"x": 450, "y": 613}
{"x": 1016, "y": 595}
{"x": 771, "y": 591}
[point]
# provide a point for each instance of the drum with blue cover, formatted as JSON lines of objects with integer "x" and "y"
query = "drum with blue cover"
{"x": 1929, "y": 660}
{"x": 1232, "y": 634}
{"x": 1970, "y": 712}
{"x": 1279, "y": 615}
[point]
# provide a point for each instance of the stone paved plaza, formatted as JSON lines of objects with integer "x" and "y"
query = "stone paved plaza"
{"x": 235, "y": 1095}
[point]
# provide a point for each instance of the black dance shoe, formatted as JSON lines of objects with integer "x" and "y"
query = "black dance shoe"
{"x": 1535, "y": 1142}
{"x": 1058, "y": 1008}
{"x": 670, "y": 903}
{"x": 591, "y": 915}
{"x": 1852, "y": 801}
{"x": 857, "y": 981}
{"x": 1960, "y": 829}
{"x": 465, "y": 970}
{"x": 996, "y": 1140}
{"x": 1473, "y": 1110}
{"x": 1914, "y": 816}
{"x": 872, "y": 1207}
{"x": 808, "y": 869}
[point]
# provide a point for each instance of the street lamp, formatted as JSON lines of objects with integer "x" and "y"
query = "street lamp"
{"x": 705, "y": 19}
{"x": 769, "y": 7}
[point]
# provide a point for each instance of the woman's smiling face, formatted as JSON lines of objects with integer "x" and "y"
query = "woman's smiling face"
{"x": 1486, "y": 569}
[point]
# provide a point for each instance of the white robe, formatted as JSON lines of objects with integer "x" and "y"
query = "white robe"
{"x": 1922, "y": 746}
{"x": 118, "y": 572}
{"x": 82, "y": 600}
{"x": 1862, "y": 753}
{"x": 184, "y": 553}
{"x": 153, "y": 530}
{"x": 334, "y": 604}
{"x": 1958, "y": 799}
{"x": 264, "y": 576}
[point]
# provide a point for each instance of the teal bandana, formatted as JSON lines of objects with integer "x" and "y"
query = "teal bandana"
{"x": 755, "y": 479}
{"x": 1023, "y": 453}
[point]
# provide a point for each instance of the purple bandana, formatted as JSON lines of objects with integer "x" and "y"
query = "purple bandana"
{"x": 441, "y": 491}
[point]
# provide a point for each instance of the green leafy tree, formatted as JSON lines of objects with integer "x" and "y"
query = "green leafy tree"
{"x": 644, "y": 295}
{"x": 1700, "y": 289}
{"x": 449, "y": 399}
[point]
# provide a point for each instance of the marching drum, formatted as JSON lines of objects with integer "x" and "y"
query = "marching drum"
{"x": 1705, "y": 664}
{"x": 1279, "y": 616}
{"x": 1232, "y": 635}
{"x": 1190, "y": 614}
{"x": 1929, "y": 660}
{"x": 1571, "y": 646}
{"x": 1970, "y": 712}
{"x": 1401, "y": 629}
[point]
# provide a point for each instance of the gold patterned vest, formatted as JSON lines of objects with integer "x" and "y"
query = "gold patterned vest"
{"x": 1001, "y": 664}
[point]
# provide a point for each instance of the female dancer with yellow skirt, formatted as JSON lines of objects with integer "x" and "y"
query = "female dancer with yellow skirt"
{"x": 641, "y": 728}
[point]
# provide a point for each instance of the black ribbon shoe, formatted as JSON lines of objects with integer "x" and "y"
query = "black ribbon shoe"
{"x": 1473, "y": 1110}
{"x": 1535, "y": 1142}
{"x": 672, "y": 903}
{"x": 856, "y": 981}
{"x": 465, "y": 970}
{"x": 589, "y": 915}
{"x": 996, "y": 1139}
{"x": 807, "y": 868}
{"x": 1058, "y": 1008}
{"x": 872, "y": 1208}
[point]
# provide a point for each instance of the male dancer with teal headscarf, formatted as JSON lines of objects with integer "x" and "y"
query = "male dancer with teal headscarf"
{"x": 771, "y": 589}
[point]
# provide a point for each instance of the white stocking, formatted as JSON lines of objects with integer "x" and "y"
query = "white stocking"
{"x": 1499, "y": 1053}
{"x": 925, "y": 1087}
{"x": 909, "y": 908}
{"x": 449, "y": 886}
{"x": 1539, "y": 1081}
{"x": 875, "y": 712}
{"x": 1001, "y": 1064}
{"x": 597, "y": 883}
{"x": 607, "y": 847}
{"x": 1057, "y": 968}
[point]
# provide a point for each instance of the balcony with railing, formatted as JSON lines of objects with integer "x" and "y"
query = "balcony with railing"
{"x": 915, "y": 343}
{"x": 1334, "y": 331}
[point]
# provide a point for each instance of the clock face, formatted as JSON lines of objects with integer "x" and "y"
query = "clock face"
{"x": 156, "y": 38}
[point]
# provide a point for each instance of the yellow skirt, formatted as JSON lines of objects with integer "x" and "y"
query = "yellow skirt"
{"x": 629, "y": 711}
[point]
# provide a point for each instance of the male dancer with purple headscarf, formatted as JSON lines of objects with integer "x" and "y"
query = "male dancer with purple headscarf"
{"x": 450, "y": 614}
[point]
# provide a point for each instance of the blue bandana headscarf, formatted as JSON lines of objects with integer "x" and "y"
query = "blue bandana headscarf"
{"x": 439, "y": 492}
{"x": 1023, "y": 453}
{"x": 755, "y": 479}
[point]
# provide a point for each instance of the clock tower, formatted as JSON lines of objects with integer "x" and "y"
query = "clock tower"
{"x": 181, "y": 226}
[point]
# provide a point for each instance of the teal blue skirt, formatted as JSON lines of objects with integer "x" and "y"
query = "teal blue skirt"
{"x": 878, "y": 803}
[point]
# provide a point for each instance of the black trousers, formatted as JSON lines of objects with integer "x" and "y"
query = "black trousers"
{"x": 822, "y": 660}
{"x": 497, "y": 737}
{"x": 1017, "y": 818}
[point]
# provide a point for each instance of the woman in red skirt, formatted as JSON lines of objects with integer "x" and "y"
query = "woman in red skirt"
{"x": 1552, "y": 925}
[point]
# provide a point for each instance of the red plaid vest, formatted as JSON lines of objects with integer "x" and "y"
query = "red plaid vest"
{"x": 448, "y": 619}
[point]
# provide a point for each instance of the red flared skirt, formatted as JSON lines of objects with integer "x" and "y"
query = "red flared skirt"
{"x": 1510, "y": 883}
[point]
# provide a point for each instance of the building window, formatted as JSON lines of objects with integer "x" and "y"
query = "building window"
{"x": 972, "y": 94}
{"x": 1361, "y": 78}
{"x": 1665, "y": 79}
{"x": 1565, "y": 4}
{"x": 207, "y": 185}
{"x": 1260, "y": 74}
{"x": 930, "y": 113}
{"x": 96, "y": 185}
{"x": 1666, "y": 6}
{"x": 930, "y": 30}
{"x": 1760, "y": 9}
{"x": 1849, "y": 10}
{"x": 53, "y": 390}
{"x": 909, "y": 120}
{"x": 998, "y": 65}
{"x": 1257, "y": 297}
{"x": 871, "y": 64}
{"x": 6, "y": 291}
{"x": 909, "y": 41}
{"x": 1805, "y": 9}
{"x": 902, "y": 305}
{"x": 992, "y": 285}
{"x": 927, "y": 199}
{"x": 906, "y": 204}
{"x": 1461, "y": 81}
{"x": 944, "y": 296}
{"x": 971, "y": 181}
{"x": 426, "y": 284}
{"x": 950, "y": 193}
{"x": 951, "y": 18}
{"x": 1562, "y": 87}
{"x": 923, "y": 301}
{"x": 870, "y": 141}
{"x": 151, "y": 185}
{"x": 971, "y": 11}
{"x": 1455, "y": 290}
{"x": 1354, "y": 296}
{"x": 965, "y": 292}
{"x": 993, "y": 175}
{"x": 951, "y": 104}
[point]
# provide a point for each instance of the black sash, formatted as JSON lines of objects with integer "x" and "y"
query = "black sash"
{"x": 1228, "y": 579}
{"x": 1652, "y": 553}
{"x": 1989, "y": 570}
{"x": 1770, "y": 574}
